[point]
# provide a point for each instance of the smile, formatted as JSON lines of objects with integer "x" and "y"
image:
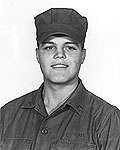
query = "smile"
{"x": 59, "y": 66}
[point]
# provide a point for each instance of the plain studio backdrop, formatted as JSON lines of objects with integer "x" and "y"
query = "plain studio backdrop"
{"x": 19, "y": 70}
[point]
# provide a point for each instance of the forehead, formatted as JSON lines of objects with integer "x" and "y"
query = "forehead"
{"x": 59, "y": 39}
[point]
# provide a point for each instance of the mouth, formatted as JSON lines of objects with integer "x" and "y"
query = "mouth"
{"x": 55, "y": 66}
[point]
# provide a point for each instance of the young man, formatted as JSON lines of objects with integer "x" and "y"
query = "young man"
{"x": 61, "y": 114}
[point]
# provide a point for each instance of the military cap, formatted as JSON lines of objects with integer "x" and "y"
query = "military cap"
{"x": 61, "y": 21}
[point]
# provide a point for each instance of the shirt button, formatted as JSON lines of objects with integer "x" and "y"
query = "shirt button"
{"x": 44, "y": 131}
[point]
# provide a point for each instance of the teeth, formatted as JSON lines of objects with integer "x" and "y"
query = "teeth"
{"x": 59, "y": 66}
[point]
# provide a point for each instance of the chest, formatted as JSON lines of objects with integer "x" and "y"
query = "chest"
{"x": 67, "y": 130}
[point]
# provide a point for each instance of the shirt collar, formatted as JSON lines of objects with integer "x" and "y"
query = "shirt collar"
{"x": 35, "y": 101}
{"x": 76, "y": 100}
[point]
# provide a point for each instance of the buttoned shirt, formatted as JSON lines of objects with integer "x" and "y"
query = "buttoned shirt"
{"x": 83, "y": 122}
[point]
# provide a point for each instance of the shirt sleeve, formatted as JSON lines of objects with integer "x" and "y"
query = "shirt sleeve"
{"x": 109, "y": 132}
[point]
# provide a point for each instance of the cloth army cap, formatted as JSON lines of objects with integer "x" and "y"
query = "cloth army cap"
{"x": 65, "y": 21}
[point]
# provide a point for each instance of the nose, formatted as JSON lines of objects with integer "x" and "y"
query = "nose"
{"x": 60, "y": 53}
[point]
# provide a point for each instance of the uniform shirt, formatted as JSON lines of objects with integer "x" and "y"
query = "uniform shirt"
{"x": 83, "y": 122}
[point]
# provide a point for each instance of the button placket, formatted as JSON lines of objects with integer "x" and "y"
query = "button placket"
{"x": 44, "y": 131}
{"x": 43, "y": 128}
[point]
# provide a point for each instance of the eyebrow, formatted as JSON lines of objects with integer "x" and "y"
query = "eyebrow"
{"x": 71, "y": 43}
{"x": 43, "y": 43}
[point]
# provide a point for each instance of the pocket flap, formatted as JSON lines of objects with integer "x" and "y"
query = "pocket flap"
{"x": 16, "y": 144}
{"x": 60, "y": 145}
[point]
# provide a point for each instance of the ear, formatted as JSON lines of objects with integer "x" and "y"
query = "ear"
{"x": 83, "y": 55}
{"x": 37, "y": 55}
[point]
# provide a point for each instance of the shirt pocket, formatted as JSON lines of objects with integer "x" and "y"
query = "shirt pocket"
{"x": 72, "y": 146}
{"x": 16, "y": 144}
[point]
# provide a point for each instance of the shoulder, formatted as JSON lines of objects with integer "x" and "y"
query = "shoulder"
{"x": 99, "y": 104}
{"x": 105, "y": 114}
{"x": 11, "y": 107}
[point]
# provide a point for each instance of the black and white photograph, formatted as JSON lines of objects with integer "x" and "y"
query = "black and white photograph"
{"x": 60, "y": 75}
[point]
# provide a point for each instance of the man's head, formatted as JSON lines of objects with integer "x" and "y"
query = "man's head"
{"x": 60, "y": 39}
{"x": 61, "y": 21}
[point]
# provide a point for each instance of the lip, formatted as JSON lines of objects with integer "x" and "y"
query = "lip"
{"x": 59, "y": 65}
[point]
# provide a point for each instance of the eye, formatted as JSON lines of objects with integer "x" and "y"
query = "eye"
{"x": 70, "y": 48}
{"x": 49, "y": 48}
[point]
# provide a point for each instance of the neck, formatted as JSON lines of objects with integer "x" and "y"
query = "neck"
{"x": 55, "y": 94}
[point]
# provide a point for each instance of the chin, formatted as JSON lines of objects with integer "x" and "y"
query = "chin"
{"x": 61, "y": 80}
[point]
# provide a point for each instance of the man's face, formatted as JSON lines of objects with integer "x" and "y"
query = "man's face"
{"x": 60, "y": 59}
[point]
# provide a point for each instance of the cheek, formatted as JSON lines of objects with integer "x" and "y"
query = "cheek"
{"x": 44, "y": 62}
{"x": 76, "y": 62}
